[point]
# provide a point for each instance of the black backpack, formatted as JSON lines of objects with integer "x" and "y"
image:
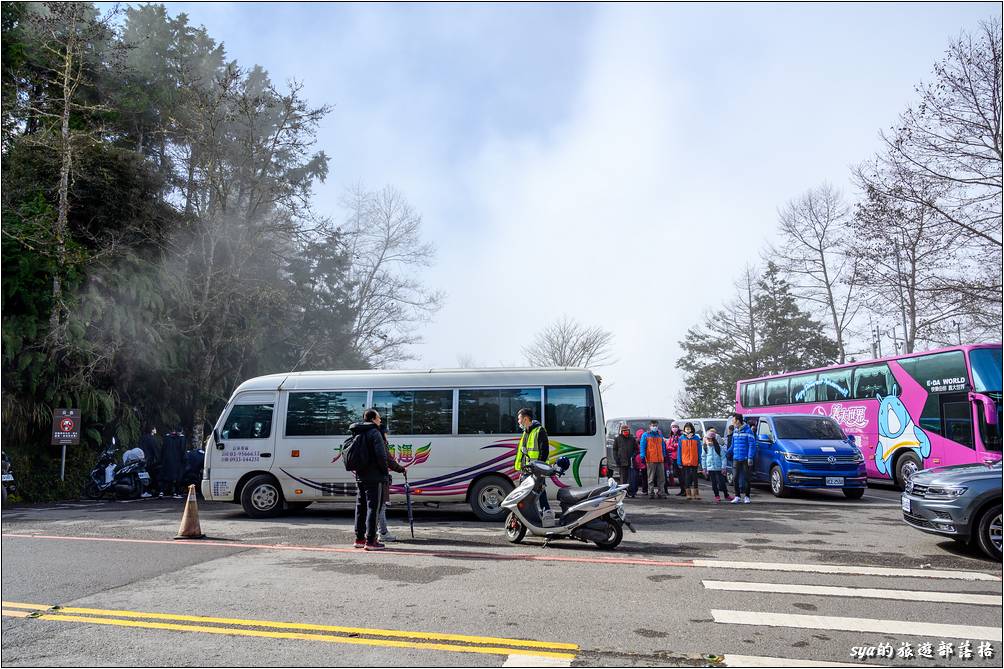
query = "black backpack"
{"x": 355, "y": 452}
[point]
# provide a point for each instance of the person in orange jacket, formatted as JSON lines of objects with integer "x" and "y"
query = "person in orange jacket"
{"x": 689, "y": 457}
{"x": 653, "y": 454}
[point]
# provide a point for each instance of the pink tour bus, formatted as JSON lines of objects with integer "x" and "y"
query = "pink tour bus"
{"x": 907, "y": 412}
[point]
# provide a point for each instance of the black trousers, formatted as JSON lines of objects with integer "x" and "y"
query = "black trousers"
{"x": 690, "y": 476}
{"x": 367, "y": 509}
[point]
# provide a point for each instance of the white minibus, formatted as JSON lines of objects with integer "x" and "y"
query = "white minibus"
{"x": 277, "y": 444}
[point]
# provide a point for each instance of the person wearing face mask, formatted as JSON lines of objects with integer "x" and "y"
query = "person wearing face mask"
{"x": 533, "y": 445}
{"x": 715, "y": 464}
{"x": 673, "y": 450}
{"x": 689, "y": 457}
{"x": 625, "y": 448}
{"x": 653, "y": 454}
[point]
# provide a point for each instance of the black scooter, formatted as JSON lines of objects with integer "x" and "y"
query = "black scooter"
{"x": 127, "y": 481}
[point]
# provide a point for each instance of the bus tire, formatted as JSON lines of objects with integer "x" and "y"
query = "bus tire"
{"x": 262, "y": 497}
{"x": 854, "y": 493}
{"x": 906, "y": 464}
{"x": 988, "y": 532}
{"x": 777, "y": 486}
{"x": 486, "y": 498}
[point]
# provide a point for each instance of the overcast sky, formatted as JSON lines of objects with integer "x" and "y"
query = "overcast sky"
{"x": 614, "y": 163}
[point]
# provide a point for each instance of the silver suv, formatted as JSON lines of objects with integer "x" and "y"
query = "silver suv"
{"x": 961, "y": 501}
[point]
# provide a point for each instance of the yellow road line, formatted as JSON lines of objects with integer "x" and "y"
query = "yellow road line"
{"x": 33, "y": 607}
{"x": 387, "y": 643}
{"x": 403, "y": 634}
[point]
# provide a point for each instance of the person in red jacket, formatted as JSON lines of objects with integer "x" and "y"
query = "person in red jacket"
{"x": 672, "y": 450}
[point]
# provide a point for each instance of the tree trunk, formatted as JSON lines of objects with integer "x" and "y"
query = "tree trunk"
{"x": 62, "y": 217}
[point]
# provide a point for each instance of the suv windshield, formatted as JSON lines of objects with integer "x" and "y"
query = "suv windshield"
{"x": 807, "y": 427}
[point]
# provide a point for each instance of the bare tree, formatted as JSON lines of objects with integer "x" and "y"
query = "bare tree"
{"x": 953, "y": 139}
{"x": 903, "y": 250}
{"x": 813, "y": 254}
{"x": 383, "y": 235}
{"x": 567, "y": 343}
{"x": 466, "y": 361}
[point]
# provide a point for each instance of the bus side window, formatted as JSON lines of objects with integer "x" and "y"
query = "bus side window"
{"x": 873, "y": 380}
{"x": 834, "y": 386}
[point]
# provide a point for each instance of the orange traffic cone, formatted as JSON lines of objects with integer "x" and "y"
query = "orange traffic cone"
{"x": 190, "y": 528}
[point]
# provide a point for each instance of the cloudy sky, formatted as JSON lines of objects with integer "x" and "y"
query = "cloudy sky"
{"x": 614, "y": 163}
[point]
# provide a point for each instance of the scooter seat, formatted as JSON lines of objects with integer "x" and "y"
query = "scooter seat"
{"x": 570, "y": 496}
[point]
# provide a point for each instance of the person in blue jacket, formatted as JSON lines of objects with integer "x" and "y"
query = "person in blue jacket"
{"x": 742, "y": 452}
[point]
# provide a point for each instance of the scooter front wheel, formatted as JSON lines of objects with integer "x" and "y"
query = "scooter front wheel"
{"x": 91, "y": 490}
{"x": 614, "y": 535}
{"x": 514, "y": 530}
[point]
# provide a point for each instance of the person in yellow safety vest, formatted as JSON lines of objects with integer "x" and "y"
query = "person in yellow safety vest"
{"x": 533, "y": 445}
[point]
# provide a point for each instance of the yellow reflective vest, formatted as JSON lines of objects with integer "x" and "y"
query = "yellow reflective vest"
{"x": 528, "y": 443}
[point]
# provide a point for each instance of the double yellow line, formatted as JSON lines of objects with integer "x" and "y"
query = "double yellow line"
{"x": 356, "y": 636}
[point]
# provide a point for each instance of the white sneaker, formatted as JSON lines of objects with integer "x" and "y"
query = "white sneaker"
{"x": 737, "y": 500}
{"x": 146, "y": 494}
{"x": 388, "y": 537}
{"x": 746, "y": 500}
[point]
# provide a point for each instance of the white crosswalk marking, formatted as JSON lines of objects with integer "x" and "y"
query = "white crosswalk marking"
{"x": 869, "y": 593}
{"x": 760, "y": 661}
{"x": 516, "y": 660}
{"x": 892, "y": 627}
{"x": 847, "y": 569}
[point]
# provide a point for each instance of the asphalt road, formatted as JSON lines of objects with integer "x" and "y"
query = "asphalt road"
{"x": 806, "y": 578}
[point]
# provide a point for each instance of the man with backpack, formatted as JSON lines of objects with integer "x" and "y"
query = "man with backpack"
{"x": 366, "y": 455}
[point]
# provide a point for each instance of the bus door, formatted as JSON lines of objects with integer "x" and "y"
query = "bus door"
{"x": 246, "y": 437}
{"x": 957, "y": 421}
{"x": 988, "y": 435}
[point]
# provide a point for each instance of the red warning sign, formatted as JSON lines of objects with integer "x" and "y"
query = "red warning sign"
{"x": 65, "y": 427}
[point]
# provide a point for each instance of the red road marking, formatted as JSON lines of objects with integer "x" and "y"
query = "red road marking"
{"x": 391, "y": 551}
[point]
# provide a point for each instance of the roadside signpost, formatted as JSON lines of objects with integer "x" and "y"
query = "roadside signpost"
{"x": 65, "y": 430}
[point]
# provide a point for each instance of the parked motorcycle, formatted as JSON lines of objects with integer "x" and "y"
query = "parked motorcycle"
{"x": 128, "y": 481}
{"x": 8, "y": 477}
{"x": 587, "y": 514}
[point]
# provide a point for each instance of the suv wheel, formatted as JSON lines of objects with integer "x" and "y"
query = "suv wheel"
{"x": 777, "y": 482}
{"x": 988, "y": 532}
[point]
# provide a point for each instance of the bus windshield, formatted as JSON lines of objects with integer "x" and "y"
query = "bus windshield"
{"x": 986, "y": 364}
{"x": 807, "y": 427}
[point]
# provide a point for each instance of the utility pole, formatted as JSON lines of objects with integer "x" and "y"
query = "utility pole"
{"x": 958, "y": 330}
{"x": 895, "y": 339}
{"x": 899, "y": 288}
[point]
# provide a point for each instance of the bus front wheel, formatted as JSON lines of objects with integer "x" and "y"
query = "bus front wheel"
{"x": 486, "y": 498}
{"x": 262, "y": 497}
{"x": 906, "y": 465}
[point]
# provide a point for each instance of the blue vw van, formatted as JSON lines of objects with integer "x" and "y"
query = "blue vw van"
{"x": 806, "y": 451}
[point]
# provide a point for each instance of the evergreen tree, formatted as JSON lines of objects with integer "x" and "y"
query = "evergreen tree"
{"x": 717, "y": 353}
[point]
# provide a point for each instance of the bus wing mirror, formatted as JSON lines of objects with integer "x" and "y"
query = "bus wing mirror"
{"x": 216, "y": 439}
{"x": 989, "y": 408}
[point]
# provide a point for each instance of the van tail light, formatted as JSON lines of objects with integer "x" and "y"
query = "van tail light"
{"x": 604, "y": 470}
